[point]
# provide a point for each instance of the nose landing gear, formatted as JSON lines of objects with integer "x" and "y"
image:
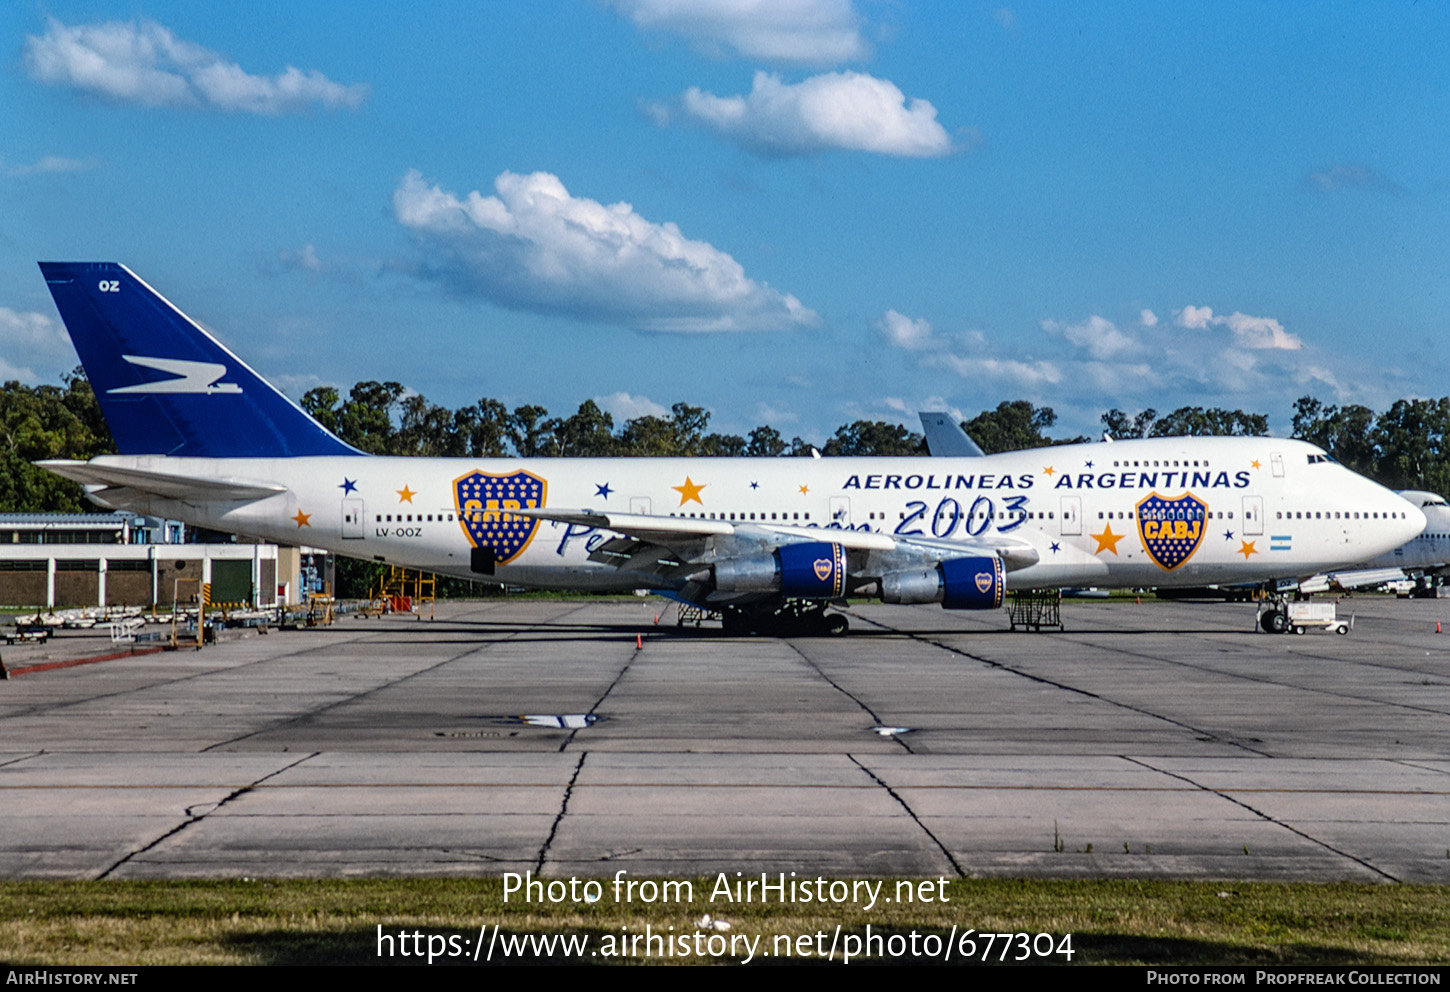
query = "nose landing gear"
{"x": 1274, "y": 620}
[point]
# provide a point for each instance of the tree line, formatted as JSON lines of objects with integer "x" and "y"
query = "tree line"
{"x": 1404, "y": 447}
{"x": 384, "y": 418}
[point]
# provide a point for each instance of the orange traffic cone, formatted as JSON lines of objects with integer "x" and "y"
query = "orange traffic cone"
{"x": 1437, "y": 626}
{"x": 657, "y": 619}
{"x": 639, "y": 642}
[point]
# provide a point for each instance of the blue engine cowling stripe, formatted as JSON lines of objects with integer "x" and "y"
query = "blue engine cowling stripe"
{"x": 972, "y": 583}
{"x": 813, "y": 570}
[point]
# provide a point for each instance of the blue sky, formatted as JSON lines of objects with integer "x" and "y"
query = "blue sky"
{"x": 799, "y": 213}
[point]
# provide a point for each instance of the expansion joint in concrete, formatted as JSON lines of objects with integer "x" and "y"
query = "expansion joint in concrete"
{"x": 1265, "y": 817}
{"x": 199, "y": 812}
{"x": 900, "y": 801}
{"x": 559, "y": 818}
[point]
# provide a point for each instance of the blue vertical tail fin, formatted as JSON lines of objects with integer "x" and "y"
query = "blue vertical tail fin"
{"x": 166, "y": 386}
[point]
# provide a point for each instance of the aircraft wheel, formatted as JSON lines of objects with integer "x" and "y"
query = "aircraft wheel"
{"x": 815, "y": 624}
{"x": 1274, "y": 622}
{"x": 837, "y": 625}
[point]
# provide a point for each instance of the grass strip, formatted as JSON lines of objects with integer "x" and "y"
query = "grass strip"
{"x": 295, "y": 922}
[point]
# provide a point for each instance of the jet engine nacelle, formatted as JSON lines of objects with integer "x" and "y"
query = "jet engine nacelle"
{"x": 812, "y": 570}
{"x": 957, "y": 583}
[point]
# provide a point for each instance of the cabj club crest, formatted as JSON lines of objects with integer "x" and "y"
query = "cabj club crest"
{"x": 483, "y": 502}
{"x": 1171, "y": 529}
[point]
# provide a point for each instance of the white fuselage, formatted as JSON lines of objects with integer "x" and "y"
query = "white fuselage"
{"x": 1158, "y": 512}
{"x": 1427, "y": 550}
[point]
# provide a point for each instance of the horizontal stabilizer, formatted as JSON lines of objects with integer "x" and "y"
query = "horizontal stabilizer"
{"x": 164, "y": 484}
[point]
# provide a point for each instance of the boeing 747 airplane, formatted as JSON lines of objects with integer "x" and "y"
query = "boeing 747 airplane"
{"x": 769, "y": 543}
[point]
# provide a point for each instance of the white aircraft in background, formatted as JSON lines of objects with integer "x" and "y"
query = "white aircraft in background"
{"x": 1425, "y": 554}
{"x": 767, "y": 542}
{"x": 945, "y": 437}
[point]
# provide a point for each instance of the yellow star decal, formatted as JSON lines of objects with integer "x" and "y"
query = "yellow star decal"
{"x": 1107, "y": 540}
{"x": 405, "y": 495}
{"x": 805, "y": 489}
{"x": 1047, "y": 470}
{"x": 1247, "y": 548}
{"x": 303, "y": 519}
{"x": 689, "y": 491}
{"x": 1255, "y": 463}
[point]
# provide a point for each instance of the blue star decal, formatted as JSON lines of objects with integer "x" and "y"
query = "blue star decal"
{"x": 1087, "y": 464}
{"x": 755, "y": 485}
{"x": 602, "y": 490}
{"x": 1228, "y": 535}
{"x": 1056, "y": 547}
{"x": 348, "y": 486}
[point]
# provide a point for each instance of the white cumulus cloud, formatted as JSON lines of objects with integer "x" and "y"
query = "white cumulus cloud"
{"x": 1248, "y": 331}
{"x": 305, "y": 259}
{"x": 1098, "y": 336}
{"x": 835, "y": 110}
{"x": 623, "y": 407}
{"x": 1194, "y": 318}
{"x": 51, "y": 164}
{"x": 30, "y": 341}
{"x": 533, "y": 246}
{"x": 1261, "y": 332}
{"x": 904, "y": 332}
{"x": 812, "y": 32}
{"x": 1020, "y": 374}
{"x": 768, "y": 414}
{"x": 1333, "y": 178}
{"x": 144, "y": 63}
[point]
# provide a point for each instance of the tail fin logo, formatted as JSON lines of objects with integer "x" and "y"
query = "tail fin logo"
{"x": 193, "y": 377}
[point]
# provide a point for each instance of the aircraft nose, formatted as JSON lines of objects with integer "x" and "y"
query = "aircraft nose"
{"x": 1414, "y": 520}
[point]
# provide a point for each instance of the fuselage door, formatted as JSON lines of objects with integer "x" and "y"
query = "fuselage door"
{"x": 1253, "y": 514}
{"x": 352, "y": 518}
{"x": 1276, "y": 461}
{"x": 1071, "y": 515}
{"x": 840, "y": 511}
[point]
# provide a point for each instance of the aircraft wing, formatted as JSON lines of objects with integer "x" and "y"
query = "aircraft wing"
{"x": 1359, "y": 579}
{"x": 687, "y": 538}
{"x": 163, "y": 484}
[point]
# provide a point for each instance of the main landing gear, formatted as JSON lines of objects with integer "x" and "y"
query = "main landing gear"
{"x": 792, "y": 618}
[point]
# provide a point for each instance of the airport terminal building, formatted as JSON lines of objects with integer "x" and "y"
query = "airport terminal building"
{"x": 62, "y": 560}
